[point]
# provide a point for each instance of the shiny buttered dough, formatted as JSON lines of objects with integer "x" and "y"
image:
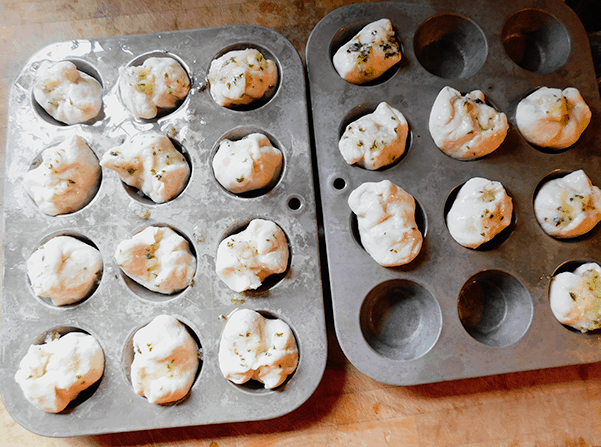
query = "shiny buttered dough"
{"x": 52, "y": 374}
{"x": 67, "y": 94}
{"x": 158, "y": 84}
{"x": 165, "y": 361}
{"x": 241, "y": 77}
{"x": 254, "y": 347}
{"x": 157, "y": 258}
{"x": 481, "y": 210}
{"x": 386, "y": 219}
{"x": 245, "y": 259}
{"x": 575, "y": 298}
{"x": 67, "y": 178}
{"x": 465, "y": 127}
{"x": 375, "y": 140}
{"x": 150, "y": 163}
{"x": 569, "y": 206}
{"x": 247, "y": 164}
{"x": 368, "y": 54}
{"x": 64, "y": 269}
{"x": 553, "y": 118}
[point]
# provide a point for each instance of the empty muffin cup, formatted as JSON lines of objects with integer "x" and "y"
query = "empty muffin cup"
{"x": 495, "y": 308}
{"x": 400, "y": 319}
{"x": 450, "y": 46}
{"x": 536, "y": 41}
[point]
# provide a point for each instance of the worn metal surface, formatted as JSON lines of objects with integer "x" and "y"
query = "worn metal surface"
{"x": 204, "y": 213}
{"x": 454, "y": 312}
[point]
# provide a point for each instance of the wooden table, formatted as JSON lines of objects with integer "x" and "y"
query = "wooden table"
{"x": 555, "y": 407}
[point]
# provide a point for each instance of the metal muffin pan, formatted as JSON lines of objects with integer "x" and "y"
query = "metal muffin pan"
{"x": 454, "y": 312}
{"x": 204, "y": 214}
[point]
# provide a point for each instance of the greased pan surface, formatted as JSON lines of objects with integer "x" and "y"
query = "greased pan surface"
{"x": 204, "y": 214}
{"x": 454, "y": 312}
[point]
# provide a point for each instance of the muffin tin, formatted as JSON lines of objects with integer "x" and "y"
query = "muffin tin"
{"x": 454, "y": 312}
{"x": 204, "y": 213}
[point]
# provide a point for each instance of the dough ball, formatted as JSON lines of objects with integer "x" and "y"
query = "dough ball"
{"x": 386, "y": 218}
{"x": 369, "y": 54}
{"x": 247, "y": 164}
{"x": 165, "y": 362}
{"x": 150, "y": 163}
{"x": 575, "y": 298}
{"x": 481, "y": 210}
{"x": 64, "y": 269}
{"x": 553, "y": 118}
{"x": 245, "y": 259}
{"x": 66, "y": 180}
{"x": 254, "y": 347}
{"x": 242, "y": 76}
{"x": 569, "y": 206}
{"x": 465, "y": 127}
{"x": 67, "y": 94}
{"x": 157, "y": 258}
{"x": 375, "y": 140}
{"x": 52, "y": 374}
{"x": 158, "y": 84}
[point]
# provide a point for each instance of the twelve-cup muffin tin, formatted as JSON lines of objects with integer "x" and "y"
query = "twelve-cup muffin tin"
{"x": 454, "y": 312}
{"x": 204, "y": 214}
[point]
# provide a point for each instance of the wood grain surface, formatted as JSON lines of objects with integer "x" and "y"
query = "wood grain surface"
{"x": 554, "y": 407}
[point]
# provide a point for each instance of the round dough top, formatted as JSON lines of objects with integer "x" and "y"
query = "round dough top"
{"x": 240, "y": 77}
{"x": 52, "y": 374}
{"x": 247, "y": 164}
{"x": 157, "y": 258}
{"x": 165, "y": 361}
{"x": 158, "y": 84}
{"x": 245, "y": 259}
{"x": 386, "y": 219}
{"x": 569, "y": 206}
{"x": 553, "y": 118}
{"x": 67, "y": 94}
{"x": 481, "y": 210}
{"x": 375, "y": 140}
{"x": 66, "y": 180}
{"x": 64, "y": 269}
{"x": 254, "y": 347}
{"x": 465, "y": 127}
{"x": 151, "y": 163}
{"x": 575, "y": 298}
{"x": 369, "y": 54}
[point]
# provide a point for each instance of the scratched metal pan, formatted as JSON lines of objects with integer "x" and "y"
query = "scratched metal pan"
{"x": 204, "y": 214}
{"x": 454, "y": 312}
